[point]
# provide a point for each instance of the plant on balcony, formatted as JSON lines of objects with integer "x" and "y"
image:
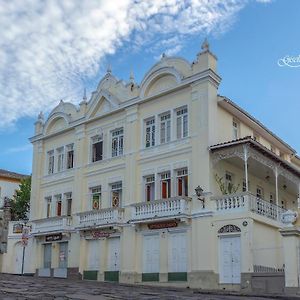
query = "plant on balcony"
{"x": 226, "y": 189}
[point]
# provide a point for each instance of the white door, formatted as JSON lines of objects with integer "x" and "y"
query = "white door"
{"x": 113, "y": 254}
{"x": 93, "y": 255}
{"x": 151, "y": 254}
{"x": 63, "y": 255}
{"x": 47, "y": 255}
{"x": 177, "y": 256}
{"x": 18, "y": 258}
{"x": 230, "y": 259}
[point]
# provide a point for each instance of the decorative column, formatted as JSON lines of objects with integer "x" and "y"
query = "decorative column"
{"x": 276, "y": 185}
{"x": 246, "y": 156}
{"x": 291, "y": 241}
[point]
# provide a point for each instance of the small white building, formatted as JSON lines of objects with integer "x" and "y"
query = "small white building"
{"x": 9, "y": 184}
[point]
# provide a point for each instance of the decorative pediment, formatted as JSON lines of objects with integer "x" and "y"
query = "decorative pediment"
{"x": 102, "y": 103}
{"x": 64, "y": 107}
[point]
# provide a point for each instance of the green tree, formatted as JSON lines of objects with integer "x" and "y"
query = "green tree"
{"x": 21, "y": 200}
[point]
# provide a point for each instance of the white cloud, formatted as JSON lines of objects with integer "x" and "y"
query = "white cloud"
{"x": 48, "y": 47}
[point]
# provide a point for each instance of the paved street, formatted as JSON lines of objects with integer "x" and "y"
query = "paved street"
{"x": 17, "y": 287}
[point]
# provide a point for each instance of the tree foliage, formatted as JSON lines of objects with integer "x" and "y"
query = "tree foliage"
{"x": 21, "y": 200}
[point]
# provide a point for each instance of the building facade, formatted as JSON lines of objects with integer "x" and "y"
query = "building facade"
{"x": 9, "y": 184}
{"x": 165, "y": 182}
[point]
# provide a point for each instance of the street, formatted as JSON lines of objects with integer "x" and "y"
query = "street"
{"x": 18, "y": 287}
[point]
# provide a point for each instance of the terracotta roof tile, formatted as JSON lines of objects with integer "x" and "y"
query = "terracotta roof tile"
{"x": 9, "y": 174}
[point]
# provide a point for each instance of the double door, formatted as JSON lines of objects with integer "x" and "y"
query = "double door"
{"x": 230, "y": 259}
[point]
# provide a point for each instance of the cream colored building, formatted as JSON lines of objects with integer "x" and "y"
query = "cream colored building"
{"x": 113, "y": 184}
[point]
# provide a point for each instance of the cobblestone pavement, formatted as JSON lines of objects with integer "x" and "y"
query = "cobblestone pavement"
{"x": 18, "y": 287}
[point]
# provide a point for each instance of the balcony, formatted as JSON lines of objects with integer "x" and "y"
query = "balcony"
{"x": 51, "y": 225}
{"x": 247, "y": 202}
{"x": 100, "y": 218}
{"x": 161, "y": 209}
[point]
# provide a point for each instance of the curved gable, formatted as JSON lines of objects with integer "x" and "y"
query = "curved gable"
{"x": 160, "y": 80}
{"x": 160, "y": 84}
{"x": 55, "y": 124}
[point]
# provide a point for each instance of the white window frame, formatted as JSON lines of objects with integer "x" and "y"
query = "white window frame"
{"x": 150, "y": 132}
{"x": 149, "y": 180}
{"x": 48, "y": 210}
{"x": 116, "y": 187}
{"x": 165, "y": 126}
{"x": 60, "y": 156}
{"x": 181, "y": 173}
{"x": 94, "y": 140}
{"x": 117, "y": 142}
{"x": 166, "y": 177}
{"x": 50, "y": 162}
{"x": 58, "y": 198}
{"x": 259, "y": 195}
{"x": 70, "y": 149}
{"x": 68, "y": 198}
{"x": 96, "y": 190}
{"x": 182, "y": 122}
{"x": 235, "y": 129}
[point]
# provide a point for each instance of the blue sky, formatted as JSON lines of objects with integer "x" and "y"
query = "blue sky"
{"x": 38, "y": 67}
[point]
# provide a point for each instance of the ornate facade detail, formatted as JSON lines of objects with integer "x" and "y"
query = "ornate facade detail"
{"x": 262, "y": 159}
{"x": 288, "y": 218}
{"x": 229, "y": 229}
{"x": 288, "y": 175}
{"x": 245, "y": 152}
{"x": 228, "y": 153}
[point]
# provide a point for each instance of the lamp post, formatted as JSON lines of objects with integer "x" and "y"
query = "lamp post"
{"x": 25, "y": 236}
{"x": 199, "y": 193}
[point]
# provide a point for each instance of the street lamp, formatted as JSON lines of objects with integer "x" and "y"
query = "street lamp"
{"x": 200, "y": 196}
{"x": 24, "y": 241}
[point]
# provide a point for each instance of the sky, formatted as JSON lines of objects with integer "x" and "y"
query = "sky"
{"x": 54, "y": 49}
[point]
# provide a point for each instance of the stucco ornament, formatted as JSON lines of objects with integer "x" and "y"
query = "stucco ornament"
{"x": 288, "y": 218}
{"x": 205, "y": 45}
{"x": 41, "y": 117}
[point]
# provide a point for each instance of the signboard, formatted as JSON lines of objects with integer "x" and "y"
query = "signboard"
{"x": 25, "y": 236}
{"x": 24, "y": 242}
{"x": 53, "y": 237}
{"x": 18, "y": 228}
{"x": 98, "y": 234}
{"x": 162, "y": 225}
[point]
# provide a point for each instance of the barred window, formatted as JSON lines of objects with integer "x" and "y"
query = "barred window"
{"x": 117, "y": 142}
{"x": 51, "y": 162}
{"x": 150, "y": 132}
